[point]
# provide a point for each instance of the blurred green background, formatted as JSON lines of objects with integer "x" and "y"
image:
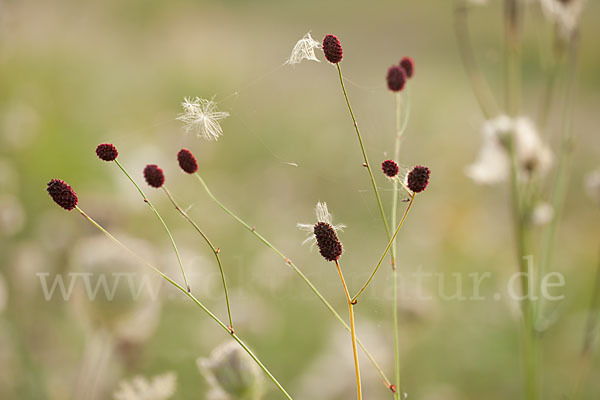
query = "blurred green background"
{"x": 77, "y": 73}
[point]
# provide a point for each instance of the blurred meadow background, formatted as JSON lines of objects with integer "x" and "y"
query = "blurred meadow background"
{"x": 77, "y": 73}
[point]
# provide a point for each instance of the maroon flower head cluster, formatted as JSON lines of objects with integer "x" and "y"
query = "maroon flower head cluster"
{"x": 328, "y": 243}
{"x": 154, "y": 175}
{"x": 62, "y": 194}
{"x": 396, "y": 78}
{"x": 390, "y": 168}
{"x": 187, "y": 161}
{"x": 418, "y": 178}
{"x": 408, "y": 65}
{"x": 107, "y": 152}
{"x": 332, "y": 49}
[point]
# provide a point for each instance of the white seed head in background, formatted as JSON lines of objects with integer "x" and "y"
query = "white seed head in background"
{"x": 304, "y": 50}
{"x": 231, "y": 374}
{"x": 202, "y": 117}
{"x": 542, "y": 214}
{"x": 493, "y": 162}
{"x": 564, "y": 13}
{"x": 161, "y": 387}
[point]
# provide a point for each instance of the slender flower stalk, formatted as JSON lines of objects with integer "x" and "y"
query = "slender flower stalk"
{"x": 512, "y": 19}
{"x": 561, "y": 180}
{"x": 215, "y": 250}
{"x": 387, "y": 248}
{"x": 352, "y": 330}
{"x": 480, "y": 86}
{"x": 589, "y": 335}
{"x": 364, "y": 152}
{"x": 401, "y": 124}
{"x": 162, "y": 221}
{"x": 299, "y": 272}
{"x": 193, "y": 298}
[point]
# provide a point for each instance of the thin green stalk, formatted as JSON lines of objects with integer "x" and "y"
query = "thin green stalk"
{"x": 387, "y": 248}
{"x": 192, "y": 297}
{"x": 212, "y": 247}
{"x": 481, "y": 89}
{"x": 512, "y": 93}
{"x": 352, "y": 331}
{"x": 400, "y": 127}
{"x": 589, "y": 335}
{"x": 297, "y": 270}
{"x": 560, "y": 186}
{"x": 161, "y": 221}
{"x": 364, "y": 153}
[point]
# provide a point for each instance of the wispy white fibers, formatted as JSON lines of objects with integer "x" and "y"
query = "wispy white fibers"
{"x": 202, "y": 117}
{"x": 304, "y": 50}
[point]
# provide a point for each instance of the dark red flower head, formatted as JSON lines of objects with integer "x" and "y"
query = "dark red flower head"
{"x": 418, "y": 178}
{"x": 107, "y": 152}
{"x": 187, "y": 161}
{"x": 62, "y": 194}
{"x": 390, "y": 168}
{"x": 332, "y": 49}
{"x": 154, "y": 175}
{"x": 396, "y": 78}
{"x": 408, "y": 65}
{"x": 329, "y": 245}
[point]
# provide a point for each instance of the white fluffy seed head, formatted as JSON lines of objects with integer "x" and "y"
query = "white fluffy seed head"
{"x": 304, "y": 50}
{"x": 565, "y": 14}
{"x": 493, "y": 162}
{"x": 202, "y": 117}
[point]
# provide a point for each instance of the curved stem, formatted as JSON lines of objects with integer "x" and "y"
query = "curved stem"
{"x": 161, "y": 221}
{"x": 352, "y": 331}
{"x": 364, "y": 153}
{"x": 193, "y": 298}
{"x": 479, "y": 84}
{"x": 212, "y": 247}
{"x": 297, "y": 270}
{"x": 387, "y": 248}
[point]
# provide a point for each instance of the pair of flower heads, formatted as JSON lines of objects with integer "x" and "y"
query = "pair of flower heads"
{"x": 324, "y": 233}
{"x": 304, "y": 49}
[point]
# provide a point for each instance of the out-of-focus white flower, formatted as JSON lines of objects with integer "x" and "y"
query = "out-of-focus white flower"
{"x": 202, "y": 117}
{"x": 323, "y": 215}
{"x": 565, "y": 13}
{"x": 304, "y": 50}
{"x": 493, "y": 162}
{"x": 161, "y": 387}
{"x": 231, "y": 374}
{"x": 592, "y": 184}
{"x": 542, "y": 214}
{"x": 478, "y": 2}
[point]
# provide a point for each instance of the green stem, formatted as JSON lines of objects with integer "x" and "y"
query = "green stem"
{"x": 400, "y": 128}
{"x": 364, "y": 153}
{"x": 560, "y": 186}
{"x": 589, "y": 336}
{"x": 297, "y": 270}
{"x": 161, "y": 221}
{"x": 212, "y": 247}
{"x": 512, "y": 99}
{"x": 387, "y": 248}
{"x": 352, "y": 331}
{"x": 193, "y": 298}
{"x": 481, "y": 89}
